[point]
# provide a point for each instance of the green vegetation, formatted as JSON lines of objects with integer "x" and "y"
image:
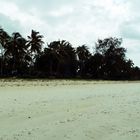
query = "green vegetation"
{"x": 28, "y": 58}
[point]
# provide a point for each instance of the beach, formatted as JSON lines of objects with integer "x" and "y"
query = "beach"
{"x": 69, "y": 110}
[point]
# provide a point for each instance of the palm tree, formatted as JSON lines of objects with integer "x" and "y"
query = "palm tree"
{"x": 34, "y": 45}
{"x": 4, "y": 37}
{"x": 83, "y": 57}
{"x": 35, "y": 42}
{"x": 16, "y": 51}
{"x": 68, "y": 55}
{"x": 64, "y": 58}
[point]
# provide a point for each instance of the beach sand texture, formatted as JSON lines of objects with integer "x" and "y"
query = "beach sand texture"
{"x": 69, "y": 110}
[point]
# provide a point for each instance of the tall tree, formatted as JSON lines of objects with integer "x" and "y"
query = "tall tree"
{"x": 35, "y": 42}
{"x": 66, "y": 65}
{"x": 61, "y": 59}
{"x": 95, "y": 65}
{"x": 16, "y": 53}
{"x": 114, "y": 59}
{"x": 4, "y": 37}
{"x": 83, "y": 58}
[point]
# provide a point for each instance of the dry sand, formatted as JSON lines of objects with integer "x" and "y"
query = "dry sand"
{"x": 69, "y": 110}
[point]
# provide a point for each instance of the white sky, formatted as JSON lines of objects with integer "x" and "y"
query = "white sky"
{"x": 77, "y": 21}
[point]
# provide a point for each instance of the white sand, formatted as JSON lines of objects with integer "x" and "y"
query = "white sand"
{"x": 69, "y": 110}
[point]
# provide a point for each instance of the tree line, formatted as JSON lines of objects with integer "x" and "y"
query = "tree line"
{"x": 27, "y": 58}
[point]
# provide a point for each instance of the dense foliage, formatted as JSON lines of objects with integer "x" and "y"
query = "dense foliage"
{"x": 22, "y": 57}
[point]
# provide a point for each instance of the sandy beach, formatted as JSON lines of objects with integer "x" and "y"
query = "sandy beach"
{"x": 69, "y": 110}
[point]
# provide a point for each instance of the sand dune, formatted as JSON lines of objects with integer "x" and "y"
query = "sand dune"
{"x": 69, "y": 110}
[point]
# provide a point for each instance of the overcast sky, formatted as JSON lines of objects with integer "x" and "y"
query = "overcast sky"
{"x": 78, "y": 21}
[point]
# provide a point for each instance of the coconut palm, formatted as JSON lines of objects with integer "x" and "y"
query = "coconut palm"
{"x": 62, "y": 58}
{"x": 83, "y": 58}
{"x": 35, "y": 42}
{"x": 34, "y": 45}
{"x": 16, "y": 51}
{"x": 4, "y": 37}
